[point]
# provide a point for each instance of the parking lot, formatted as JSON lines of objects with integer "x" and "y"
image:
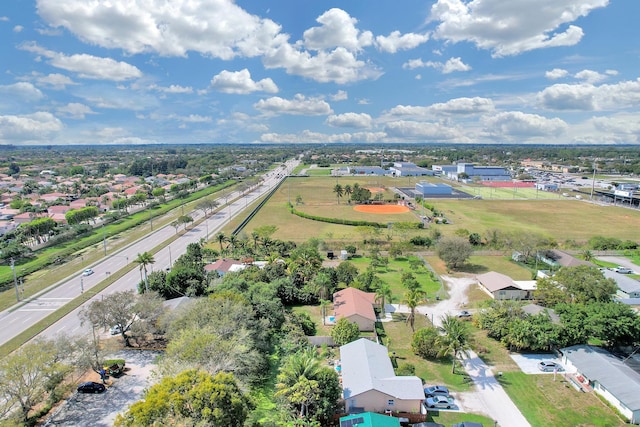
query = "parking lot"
{"x": 528, "y": 363}
{"x": 101, "y": 409}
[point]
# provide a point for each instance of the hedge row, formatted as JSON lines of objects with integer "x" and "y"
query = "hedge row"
{"x": 339, "y": 220}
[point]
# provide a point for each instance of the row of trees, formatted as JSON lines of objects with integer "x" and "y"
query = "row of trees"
{"x": 356, "y": 193}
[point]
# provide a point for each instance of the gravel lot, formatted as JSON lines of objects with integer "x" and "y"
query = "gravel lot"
{"x": 101, "y": 409}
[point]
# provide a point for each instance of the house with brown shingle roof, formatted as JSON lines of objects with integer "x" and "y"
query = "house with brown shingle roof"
{"x": 224, "y": 265}
{"x": 500, "y": 286}
{"x": 356, "y": 306}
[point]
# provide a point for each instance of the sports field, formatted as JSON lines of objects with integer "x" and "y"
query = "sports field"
{"x": 559, "y": 218}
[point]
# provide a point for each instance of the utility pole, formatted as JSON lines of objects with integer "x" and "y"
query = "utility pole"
{"x": 15, "y": 280}
{"x": 104, "y": 240}
{"x": 593, "y": 182}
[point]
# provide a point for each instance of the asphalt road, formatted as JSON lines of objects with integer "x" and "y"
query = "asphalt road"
{"x": 18, "y": 319}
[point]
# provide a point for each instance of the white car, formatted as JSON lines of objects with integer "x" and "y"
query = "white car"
{"x": 87, "y": 272}
{"x": 623, "y": 270}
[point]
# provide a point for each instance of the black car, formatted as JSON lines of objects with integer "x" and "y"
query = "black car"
{"x": 91, "y": 387}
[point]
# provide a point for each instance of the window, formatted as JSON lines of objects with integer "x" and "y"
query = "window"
{"x": 390, "y": 402}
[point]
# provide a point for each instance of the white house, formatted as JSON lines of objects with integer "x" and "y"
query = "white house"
{"x": 608, "y": 376}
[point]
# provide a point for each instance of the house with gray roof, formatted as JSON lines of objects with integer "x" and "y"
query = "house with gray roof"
{"x": 616, "y": 382}
{"x": 627, "y": 287}
{"x": 369, "y": 382}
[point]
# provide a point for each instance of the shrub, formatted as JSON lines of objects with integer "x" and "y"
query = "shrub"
{"x": 424, "y": 341}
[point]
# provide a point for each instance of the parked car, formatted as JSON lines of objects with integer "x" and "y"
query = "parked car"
{"x": 116, "y": 330}
{"x": 549, "y": 366}
{"x": 91, "y": 387}
{"x": 467, "y": 424}
{"x": 87, "y": 272}
{"x": 463, "y": 314}
{"x": 623, "y": 270}
{"x": 439, "y": 402}
{"x": 436, "y": 390}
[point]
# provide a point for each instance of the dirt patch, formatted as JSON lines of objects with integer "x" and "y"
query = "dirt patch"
{"x": 381, "y": 209}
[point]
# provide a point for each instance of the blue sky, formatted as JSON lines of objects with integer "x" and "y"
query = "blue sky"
{"x": 444, "y": 71}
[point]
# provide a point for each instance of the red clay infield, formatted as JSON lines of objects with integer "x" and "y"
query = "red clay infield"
{"x": 381, "y": 209}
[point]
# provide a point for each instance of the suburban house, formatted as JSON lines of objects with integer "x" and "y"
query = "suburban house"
{"x": 370, "y": 384}
{"x": 535, "y": 309}
{"x": 627, "y": 287}
{"x": 356, "y": 306}
{"x": 616, "y": 382}
{"x": 224, "y": 266}
{"x": 369, "y": 419}
{"x": 563, "y": 259}
{"x": 501, "y": 287}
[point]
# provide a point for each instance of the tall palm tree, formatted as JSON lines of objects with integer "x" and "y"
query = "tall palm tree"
{"x": 145, "y": 259}
{"x": 454, "y": 339}
{"x": 347, "y": 191}
{"x": 384, "y": 295}
{"x": 412, "y": 299}
{"x": 339, "y": 191}
{"x": 221, "y": 238}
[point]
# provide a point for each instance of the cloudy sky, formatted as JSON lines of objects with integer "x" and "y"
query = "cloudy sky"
{"x": 271, "y": 71}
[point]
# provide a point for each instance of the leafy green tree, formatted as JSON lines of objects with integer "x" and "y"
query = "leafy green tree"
{"x": 123, "y": 310}
{"x": 454, "y": 339}
{"x": 28, "y": 375}
{"x": 613, "y": 323}
{"x": 345, "y": 331}
{"x": 346, "y": 272}
{"x": 424, "y": 343}
{"x": 409, "y": 281}
{"x": 454, "y": 251}
{"x": 581, "y": 284}
{"x": 190, "y": 398}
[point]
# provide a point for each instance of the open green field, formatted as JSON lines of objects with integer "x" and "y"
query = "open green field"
{"x": 560, "y": 219}
{"x": 508, "y": 193}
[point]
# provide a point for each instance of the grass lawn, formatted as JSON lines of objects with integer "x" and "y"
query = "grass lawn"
{"x": 392, "y": 275}
{"x": 501, "y": 264}
{"x": 541, "y": 400}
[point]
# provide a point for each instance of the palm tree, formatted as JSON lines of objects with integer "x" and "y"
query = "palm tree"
{"x": 298, "y": 369}
{"x": 221, "y": 238}
{"x": 412, "y": 299}
{"x": 339, "y": 191}
{"x": 145, "y": 259}
{"x": 383, "y": 294}
{"x": 347, "y": 191}
{"x": 323, "y": 309}
{"x": 454, "y": 339}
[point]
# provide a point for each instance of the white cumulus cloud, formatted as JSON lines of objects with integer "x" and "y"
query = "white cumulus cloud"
{"x": 240, "y": 82}
{"x": 450, "y": 66}
{"x": 299, "y": 105}
{"x": 75, "y": 110}
{"x": 556, "y": 73}
{"x": 23, "y": 90}
{"x": 338, "y": 29}
{"x": 512, "y": 125}
{"x": 349, "y": 120}
{"x": 511, "y": 27}
{"x": 28, "y": 128}
{"x": 397, "y": 41}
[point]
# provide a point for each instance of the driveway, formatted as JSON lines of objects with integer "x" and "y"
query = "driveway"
{"x": 528, "y": 363}
{"x": 100, "y": 410}
{"x": 489, "y": 397}
{"x": 619, "y": 260}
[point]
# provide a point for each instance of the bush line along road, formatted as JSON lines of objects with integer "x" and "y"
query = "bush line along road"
{"x": 22, "y": 316}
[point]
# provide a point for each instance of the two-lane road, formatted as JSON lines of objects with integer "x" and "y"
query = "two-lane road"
{"x": 39, "y": 307}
